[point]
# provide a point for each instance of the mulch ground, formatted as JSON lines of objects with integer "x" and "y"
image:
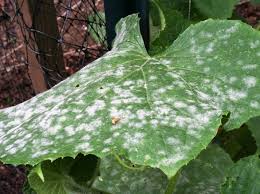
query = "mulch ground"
{"x": 15, "y": 84}
{"x": 249, "y": 13}
{"x": 12, "y": 179}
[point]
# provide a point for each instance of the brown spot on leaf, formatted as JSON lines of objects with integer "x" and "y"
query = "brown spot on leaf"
{"x": 115, "y": 120}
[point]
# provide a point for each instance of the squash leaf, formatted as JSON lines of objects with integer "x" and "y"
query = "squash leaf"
{"x": 65, "y": 176}
{"x": 155, "y": 111}
{"x": 172, "y": 22}
{"x": 206, "y": 173}
{"x": 96, "y": 27}
{"x": 116, "y": 178}
{"x": 244, "y": 177}
{"x": 216, "y": 8}
{"x": 175, "y": 24}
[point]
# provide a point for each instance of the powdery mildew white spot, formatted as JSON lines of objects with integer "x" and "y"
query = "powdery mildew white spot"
{"x": 233, "y": 79}
{"x": 236, "y": 95}
{"x": 97, "y": 106}
{"x": 210, "y": 48}
{"x": 142, "y": 114}
{"x": 84, "y": 146}
{"x": 105, "y": 150}
{"x": 40, "y": 153}
{"x": 133, "y": 140}
{"x": 70, "y": 130}
{"x": 52, "y": 130}
{"x": 250, "y": 81}
{"x": 180, "y": 104}
{"x": 249, "y": 67}
{"x": 255, "y": 104}
{"x": 172, "y": 160}
{"x": 254, "y": 44}
{"x": 173, "y": 141}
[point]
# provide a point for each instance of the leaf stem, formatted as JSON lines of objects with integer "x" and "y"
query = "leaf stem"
{"x": 171, "y": 184}
{"x": 125, "y": 165}
{"x": 189, "y": 14}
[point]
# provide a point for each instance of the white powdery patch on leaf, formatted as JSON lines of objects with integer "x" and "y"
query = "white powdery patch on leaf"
{"x": 53, "y": 130}
{"x": 132, "y": 140}
{"x": 235, "y": 95}
{"x": 250, "y": 81}
{"x": 179, "y": 104}
{"x": 142, "y": 114}
{"x": 173, "y": 141}
{"x": 172, "y": 160}
{"x": 249, "y": 66}
{"x": 254, "y": 44}
{"x": 70, "y": 130}
{"x": 97, "y": 106}
{"x": 255, "y": 104}
{"x": 40, "y": 153}
{"x": 84, "y": 147}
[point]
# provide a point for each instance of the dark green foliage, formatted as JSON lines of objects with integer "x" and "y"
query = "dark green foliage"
{"x": 65, "y": 176}
{"x": 238, "y": 143}
{"x": 243, "y": 177}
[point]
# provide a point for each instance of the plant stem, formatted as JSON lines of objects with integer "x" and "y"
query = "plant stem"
{"x": 125, "y": 165}
{"x": 171, "y": 185}
{"x": 189, "y": 10}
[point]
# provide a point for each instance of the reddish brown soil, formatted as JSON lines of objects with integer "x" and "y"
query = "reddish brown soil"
{"x": 249, "y": 13}
{"x": 15, "y": 84}
{"x": 12, "y": 179}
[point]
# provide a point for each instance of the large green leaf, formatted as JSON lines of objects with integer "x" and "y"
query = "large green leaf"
{"x": 244, "y": 177}
{"x": 175, "y": 24}
{"x": 157, "y": 14}
{"x": 205, "y": 174}
{"x": 96, "y": 27}
{"x": 216, "y": 8}
{"x": 172, "y": 23}
{"x": 64, "y": 176}
{"x": 116, "y": 178}
{"x": 156, "y": 111}
{"x": 187, "y": 8}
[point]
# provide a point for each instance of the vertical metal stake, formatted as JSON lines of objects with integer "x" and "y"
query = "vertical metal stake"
{"x": 117, "y": 9}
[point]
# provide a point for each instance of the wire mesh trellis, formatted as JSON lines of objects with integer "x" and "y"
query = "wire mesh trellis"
{"x": 63, "y": 35}
{"x": 15, "y": 84}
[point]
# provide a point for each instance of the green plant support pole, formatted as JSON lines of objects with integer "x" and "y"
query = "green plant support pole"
{"x": 117, "y": 9}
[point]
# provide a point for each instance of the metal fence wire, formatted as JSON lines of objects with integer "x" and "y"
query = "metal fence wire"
{"x": 61, "y": 36}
